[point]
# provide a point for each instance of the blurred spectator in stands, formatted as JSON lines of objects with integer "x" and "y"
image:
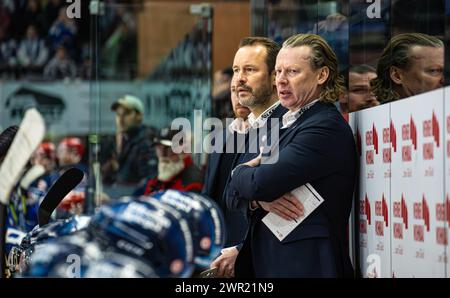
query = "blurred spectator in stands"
{"x": 131, "y": 158}
{"x": 70, "y": 154}
{"x": 408, "y": 16}
{"x": 8, "y": 5}
{"x": 33, "y": 15}
{"x": 60, "y": 66}
{"x": 359, "y": 94}
{"x": 176, "y": 169}
{"x": 126, "y": 17}
{"x": 411, "y": 63}
{"x": 221, "y": 93}
{"x": 8, "y": 49}
{"x": 334, "y": 29}
{"x": 86, "y": 66}
{"x": 51, "y": 11}
{"x": 63, "y": 32}
{"x": 111, "y": 51}
{"x": 33, "y": 53}
{"x": 5, "y": 17}
{"x": 119, "y": 52}
{"x": 17, "y": 13}
{"x": 45, "y": 155}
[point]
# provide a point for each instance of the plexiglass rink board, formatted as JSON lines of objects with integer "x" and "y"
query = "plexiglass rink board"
{"x": 417, "y": 186}
{"x": 445, "y": 214}
{"x": 373, "y": 137}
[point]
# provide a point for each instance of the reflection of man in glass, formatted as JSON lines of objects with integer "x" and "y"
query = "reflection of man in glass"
{"x": 359, "y": 95}
{"x": 412, "y": 63}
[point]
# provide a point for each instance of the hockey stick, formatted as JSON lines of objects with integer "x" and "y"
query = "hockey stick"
{"x": 68, "y": 181}
{"x": 30, "y": 134}
{"x": 31, "y": 175}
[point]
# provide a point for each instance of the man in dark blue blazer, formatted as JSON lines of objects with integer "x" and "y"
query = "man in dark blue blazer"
{"x": 316, "y": 146}
{"x": 219, "y": 167}
{"x": 253, "y": 86}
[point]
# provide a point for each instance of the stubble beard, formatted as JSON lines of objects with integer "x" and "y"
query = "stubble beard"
{"x": 259, "y": 97}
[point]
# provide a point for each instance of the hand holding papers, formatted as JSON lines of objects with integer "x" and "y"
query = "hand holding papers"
{"x": 280, "y": 227}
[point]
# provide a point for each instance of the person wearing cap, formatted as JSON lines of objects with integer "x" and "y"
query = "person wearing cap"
{"x": 45, "y": 155}
{"x": 133, "y": 158}
{"x": 70, "y": 153}
{"x": 175, "y": 170}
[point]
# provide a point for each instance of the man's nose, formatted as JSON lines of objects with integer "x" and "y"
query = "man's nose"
{"x": 280, "y": 77}
{"x": 281, "y": 80}
{"x": 241, "y": 77}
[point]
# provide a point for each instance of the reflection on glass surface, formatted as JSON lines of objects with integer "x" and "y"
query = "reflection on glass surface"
{"x": 328, "y": 19}
{"x": 411, "y": 63}
{"x": 359, "y": 93}
{"x": 169, "y": 50}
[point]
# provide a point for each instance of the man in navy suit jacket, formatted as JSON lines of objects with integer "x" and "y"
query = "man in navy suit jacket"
{"x": 219, "y": 167}
{"x": 253, "y": 90}
{"x": 316, "y": 146}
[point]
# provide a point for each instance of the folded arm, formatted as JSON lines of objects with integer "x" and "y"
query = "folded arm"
{"x": 309, "y": 156}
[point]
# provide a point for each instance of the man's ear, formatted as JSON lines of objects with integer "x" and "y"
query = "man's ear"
{"x": 396, "y": 75}
{"x": 323, "y": 75}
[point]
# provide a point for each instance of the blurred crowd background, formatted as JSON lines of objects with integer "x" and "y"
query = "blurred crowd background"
{"x": 175, "y": 56}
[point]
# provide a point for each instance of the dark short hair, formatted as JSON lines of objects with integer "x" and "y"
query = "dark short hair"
{"x": 272, "y": 49}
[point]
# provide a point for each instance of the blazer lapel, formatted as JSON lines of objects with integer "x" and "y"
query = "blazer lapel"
{"x": 297, "y": 124}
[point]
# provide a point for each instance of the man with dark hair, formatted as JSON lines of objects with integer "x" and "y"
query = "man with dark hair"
{"x": 411, "y": 63}
{"x": 253, "y": 91}
{"x": 271, "y": 48}
{"x": 254, "y": 76}
{"x": 359, "y": 94}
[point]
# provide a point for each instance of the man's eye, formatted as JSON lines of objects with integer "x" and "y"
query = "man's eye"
{"x": 435, "y": 71}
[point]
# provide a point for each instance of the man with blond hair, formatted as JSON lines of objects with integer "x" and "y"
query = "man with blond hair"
{"x": 316, "y": 148}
